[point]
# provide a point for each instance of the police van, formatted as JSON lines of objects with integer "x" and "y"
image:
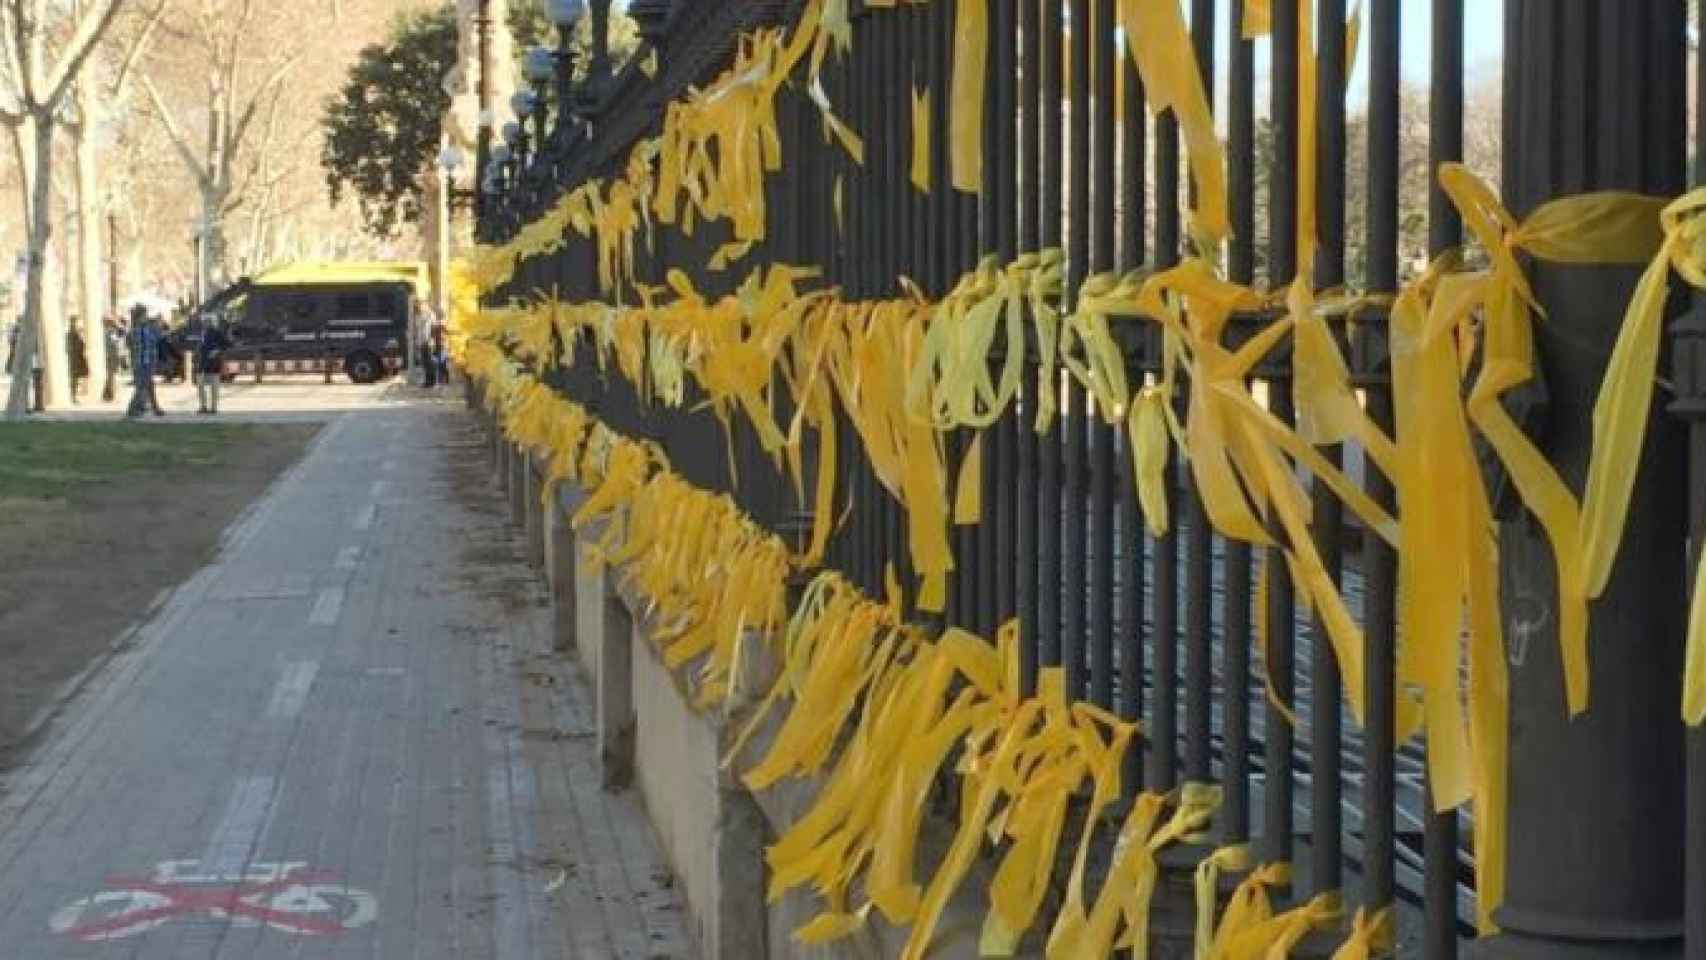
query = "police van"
{"x": 352, "y": 319}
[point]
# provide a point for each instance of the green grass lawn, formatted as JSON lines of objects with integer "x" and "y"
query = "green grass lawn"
{"x": 50, "y": 461}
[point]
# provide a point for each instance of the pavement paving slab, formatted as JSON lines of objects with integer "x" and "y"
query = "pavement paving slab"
{"x": 348, "y": 736}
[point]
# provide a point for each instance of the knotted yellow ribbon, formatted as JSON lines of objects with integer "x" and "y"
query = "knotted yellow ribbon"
{"x": 1233, "y": 859}
{"x": 1594, "y": 228}
{"x": 1371, "y": 935}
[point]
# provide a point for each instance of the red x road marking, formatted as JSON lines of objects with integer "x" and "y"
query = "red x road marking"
{"x": 234, "y": 901}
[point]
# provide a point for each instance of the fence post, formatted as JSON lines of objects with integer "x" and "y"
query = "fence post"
{"x": 1594, "y": 99}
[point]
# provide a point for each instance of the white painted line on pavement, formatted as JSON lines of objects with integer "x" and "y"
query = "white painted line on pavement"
{"x": 348, "y": 557}
{"x": 364, "y": 519}
{"x": 509, "y": 838}
{"x": 327, "y": 606}
{"x": 239, "y": 830}
{"x": 291, "y": 693}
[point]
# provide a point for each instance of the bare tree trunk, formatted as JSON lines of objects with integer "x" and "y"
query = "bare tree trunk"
{"x": 212, "y": 248}
{"x": 89, "y": 224}
{"x": 40, "y": 330}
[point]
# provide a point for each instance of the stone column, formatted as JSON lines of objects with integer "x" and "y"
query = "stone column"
{"x": 1594, "y": 100}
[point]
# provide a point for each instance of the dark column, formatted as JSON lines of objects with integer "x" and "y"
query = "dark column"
{"x": 653, "y": 16}
{"x": 1595, "y": 100}
{"x": 598, "y": 70}
{"x": 1688, "y": 373}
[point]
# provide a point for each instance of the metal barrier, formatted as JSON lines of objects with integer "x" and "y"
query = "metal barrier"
{"x": 1163, "y": 628}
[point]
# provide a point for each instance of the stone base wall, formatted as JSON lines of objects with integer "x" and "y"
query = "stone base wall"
{"x": 651, "y": 738}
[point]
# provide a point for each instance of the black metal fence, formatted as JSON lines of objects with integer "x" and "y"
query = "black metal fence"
{"x": 1160, "y": 629}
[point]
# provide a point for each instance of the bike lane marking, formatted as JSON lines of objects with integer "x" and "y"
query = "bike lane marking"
{"x": 284, "y": 896}
{"x": 291, "y": 693}
{"x": 327, "y": 606}
{"x": 239, "y": 830}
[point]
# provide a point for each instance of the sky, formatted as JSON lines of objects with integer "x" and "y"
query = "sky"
{"x": 1483, "y": 45}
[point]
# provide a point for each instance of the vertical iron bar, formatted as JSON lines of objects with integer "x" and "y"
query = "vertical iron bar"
{"x": 1379, "y": 564}
{"x": 1164, "y": 649}
{"x": 1134, "y": 145}
{"x": 1167, "y": 189}
{"x": 1164, "y": 719}
{"x": 1241, "y": 263}
{"x": 1199, "y": 540}
{"x": 1053, "y": 105}
{"x": 1078, "y": 256}
{"x": 1031, "y": 131}
{"x": 1134, "y": 149}
{"x": 989, "y": 242}
{"x": 1049, "y": 499}
{"x": 1694, "y": 872}
{"x": 1104, "y": 226}
{"x": 1072, "y": 507}
{"x": 1030, "y": 175}
{"x": 1278, "y": 735}
{"x": 1326, "y": 711}
{"x": 1445, "y": 231}
{"x": 968, "y": 552}
{"x": 1004, "y": 125}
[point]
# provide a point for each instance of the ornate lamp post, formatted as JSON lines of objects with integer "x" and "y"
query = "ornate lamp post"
{"x": 524, "y": 105}
{"x": 451, "y": 161}
{"x": 539, "y": 68}
{"x": 503, "y": 165}
{"x": 565, "y": 15}
{"x": 514, "y": 137}
{"x": 653, "y": 16}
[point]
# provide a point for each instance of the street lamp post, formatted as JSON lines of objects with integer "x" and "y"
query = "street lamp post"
{"x": 515, "y": 138}
{"x": 564, "y": 15}
{"x": 483, "y": 24}
{"x": 539, "y": 68}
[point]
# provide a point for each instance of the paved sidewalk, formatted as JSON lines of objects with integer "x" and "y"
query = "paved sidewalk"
{"x": 345, "y": 738}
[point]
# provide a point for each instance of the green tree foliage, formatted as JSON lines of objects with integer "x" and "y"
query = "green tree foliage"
{"x": 382, "y": 129}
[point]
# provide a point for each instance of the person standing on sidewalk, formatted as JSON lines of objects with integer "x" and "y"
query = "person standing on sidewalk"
{"x": 144, "y": 354}
{"x": 424, "y": 321}
{"x": 77, "y": 356}
{"x": 440, "y": 352}
{"x": 115, "y": 347}
{"x": 210, "y": 366}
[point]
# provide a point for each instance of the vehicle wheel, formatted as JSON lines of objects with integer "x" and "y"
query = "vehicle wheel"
{"x": 362, "y": 367}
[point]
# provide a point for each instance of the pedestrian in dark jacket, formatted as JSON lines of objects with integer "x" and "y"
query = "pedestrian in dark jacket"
{"x": 77, "y": 356}
{"x": 144, "y": 353}
{"x": 210, "y": 366}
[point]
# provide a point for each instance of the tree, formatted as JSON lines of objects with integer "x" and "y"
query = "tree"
{"x": 242, "y": 66}
{"x": 44, "y": 53}
{"x": 384, "y": 126}
{"x": 93, "y": 95}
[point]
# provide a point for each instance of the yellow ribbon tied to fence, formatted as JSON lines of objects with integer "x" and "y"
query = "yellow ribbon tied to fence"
{"x": 1595, "y": 228}
{"x": 1161, "y": 45}
{"x": 971, "y": 55}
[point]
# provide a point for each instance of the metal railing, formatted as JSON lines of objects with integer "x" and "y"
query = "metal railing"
{"x": 1161, "y": 629}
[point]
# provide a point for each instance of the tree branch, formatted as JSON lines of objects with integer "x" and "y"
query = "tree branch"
{"x": 128, "y": 65}
{"x": 24, "y": 29}
{"x": 90, "y": 27}
{"x": 241, "y": 130}
{"x": 175, "y": 133}
{"x": 13, "y": 114}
